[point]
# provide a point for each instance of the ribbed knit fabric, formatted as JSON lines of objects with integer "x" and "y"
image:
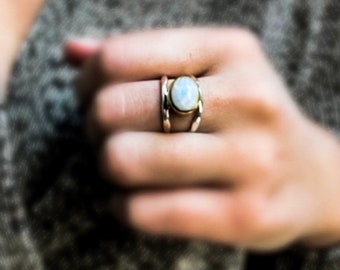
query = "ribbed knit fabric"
{"x": 53, "y": 204}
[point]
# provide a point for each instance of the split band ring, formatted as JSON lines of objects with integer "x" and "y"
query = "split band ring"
{"x": 183, "y": 97}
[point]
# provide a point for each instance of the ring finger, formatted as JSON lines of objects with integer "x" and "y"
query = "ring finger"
{"x": 136, "y": 106}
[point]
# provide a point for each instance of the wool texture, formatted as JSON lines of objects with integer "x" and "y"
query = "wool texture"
{"x": 53, "y": 204}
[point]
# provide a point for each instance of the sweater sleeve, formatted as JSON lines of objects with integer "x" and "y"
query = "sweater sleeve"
{"x": 16, "y": 248}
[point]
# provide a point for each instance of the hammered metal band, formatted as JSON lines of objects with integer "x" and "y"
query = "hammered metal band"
{"x": 165, "y": 105}
{"x": 184, "y": 97}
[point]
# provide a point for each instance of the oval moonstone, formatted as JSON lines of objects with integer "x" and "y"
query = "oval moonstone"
{"x": 184, "y": 94}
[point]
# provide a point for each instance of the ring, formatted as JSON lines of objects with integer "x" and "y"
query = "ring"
{"x": 165, "y": 105}
{"x": 183, "y": 97}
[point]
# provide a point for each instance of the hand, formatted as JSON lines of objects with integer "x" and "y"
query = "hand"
{"x": 257, "y": 174}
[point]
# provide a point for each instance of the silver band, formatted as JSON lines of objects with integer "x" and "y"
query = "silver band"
{"x": 165, "y": 105}
{"x": 198, "y": 117}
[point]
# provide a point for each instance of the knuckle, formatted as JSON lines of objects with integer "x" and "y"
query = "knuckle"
{"x": 264, "y": 109}
{"x": 248, "y": 43}
{"x": 258, "y": 106}
{"x": 249, "y": 222}
{"x": 257, "y": 225}
{"x": 245, "y": 35}
{"x": 244, "y": 41}
{"x": 265, "y": 168}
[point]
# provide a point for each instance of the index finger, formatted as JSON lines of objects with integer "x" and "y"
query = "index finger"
{"x": 175, "y": 52}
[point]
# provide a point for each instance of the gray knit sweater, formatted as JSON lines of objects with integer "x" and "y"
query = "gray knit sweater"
{"x": 53, "y": 203}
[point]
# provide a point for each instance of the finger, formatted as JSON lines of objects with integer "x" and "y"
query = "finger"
{"x": 242, "y": 219}
{"x": 227, "y": 102}
{"x": 157, "y": 159}
{"x": 150, "y": 55}
{"x": 136, "y": 106}
{"x": 194, "y": 213}
{"x": 148, "y": 159}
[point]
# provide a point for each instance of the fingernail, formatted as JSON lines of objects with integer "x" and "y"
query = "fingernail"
{"x": 79, "y": 50}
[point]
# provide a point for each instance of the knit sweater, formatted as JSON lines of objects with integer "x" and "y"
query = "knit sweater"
{"x": 53, "y": 203}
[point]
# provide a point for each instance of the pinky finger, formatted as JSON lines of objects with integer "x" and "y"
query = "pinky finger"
{"x": 191, "y": 213}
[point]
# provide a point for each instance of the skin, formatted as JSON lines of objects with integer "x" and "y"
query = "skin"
{"x": 258, "y": 174}
{"x": 13, "y": 32}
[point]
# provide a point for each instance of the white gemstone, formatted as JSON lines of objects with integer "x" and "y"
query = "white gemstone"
{"x": 184, "y": 94}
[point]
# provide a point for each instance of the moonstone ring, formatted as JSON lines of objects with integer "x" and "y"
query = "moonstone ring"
{"x": 183, "y": 97}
